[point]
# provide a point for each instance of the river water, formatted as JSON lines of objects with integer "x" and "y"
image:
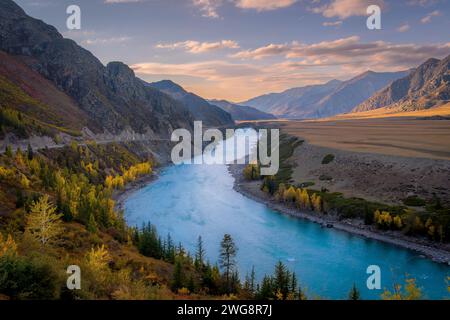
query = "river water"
{"x": 191, "y": 200}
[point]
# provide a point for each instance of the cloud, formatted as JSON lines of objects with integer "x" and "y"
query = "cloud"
{"x": 404, "y": 27}
{"x": 332, "y": 23}
{"x": 429, "y": 16}
{"x": 262, "y": 52}
{"x": 290, "y": 65}
{"x": 209, "y": 70}
{"x": 104, "y": 41}
{"x": 350, "y": 51}
{"x": 227, "y": 80}
{"x": 343, "y": 9}
{"x": 200, "y": 47}
{"x": 264, "y": 5}
{"x": 208, "y": 7}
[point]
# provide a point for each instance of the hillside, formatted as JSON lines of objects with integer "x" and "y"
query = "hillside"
{"x": 239, "y": 113}
{"x": 425, "y": 87}
{"x": 111, "y": 97}
{"x": 325, "y": 100}
{"x": 200, "y": 108}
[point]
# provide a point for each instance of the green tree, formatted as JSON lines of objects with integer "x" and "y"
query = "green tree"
{"x": 199, "y": 254}
{"x": 354, "y": 293}
{"x": 227, "y": 259}
{"x": 92, "y": 225}
{"x": 30, "y": 152}
{"x": 178, "y": 278}
{"x": 8, "y": 151}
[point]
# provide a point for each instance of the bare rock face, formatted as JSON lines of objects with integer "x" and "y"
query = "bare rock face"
{"x": 113, "y": 98}
{"x": 425, "y": 87}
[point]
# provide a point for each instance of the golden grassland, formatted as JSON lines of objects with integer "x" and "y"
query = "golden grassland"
{"x": 408, "y": 134}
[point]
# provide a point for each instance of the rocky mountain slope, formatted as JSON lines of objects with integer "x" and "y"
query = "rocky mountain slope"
{"x": 104, "y": 98}
{"x": 329, "y": 99}
{"x": 201, "y": 109}
{"x": 425, "y": 87}
{"x": 239, "y": 113}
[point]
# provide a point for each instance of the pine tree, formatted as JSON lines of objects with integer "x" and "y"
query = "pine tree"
{"x": 354, "y": 293}
{"x": 200, "y": 254}
{"x": 92, "y": 225}
{"x": 177, "y": 280}
{"x": 8, "y": 151}
{"x": 227, "y": 260}
{"x": 30, "y": 152}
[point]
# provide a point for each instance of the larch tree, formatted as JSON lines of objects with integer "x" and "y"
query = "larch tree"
{"x": 43, "y": 223}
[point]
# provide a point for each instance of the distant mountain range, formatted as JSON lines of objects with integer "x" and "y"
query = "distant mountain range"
{"x": 329, "y": 99}
{"x": 201, "y": 109}
{"x": 425, "y": 87}
{"x": 240, "y": 113}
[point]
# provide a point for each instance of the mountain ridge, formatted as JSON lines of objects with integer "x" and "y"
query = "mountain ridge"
{"x": 240, "y": 113}
{"x": 112, "y": 97}
{"x": 201, "y": 109}
{"x": 426, "y": 86}
{"x": 325, "y": 100}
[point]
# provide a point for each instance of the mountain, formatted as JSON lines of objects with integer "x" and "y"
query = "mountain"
{"x": 201, "y": 109}
{"x": 425, "y": 87}
{"x": 293, "y": 101}
{"x": 325, "y": 100}
{"x": 239, "y": 113}
{"x": 68, "y": 82}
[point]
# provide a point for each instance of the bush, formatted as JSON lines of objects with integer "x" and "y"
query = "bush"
{"x": 328, "y": 158}
{"x": 325, "y": 177}
{"x": 414, "y": 201}
{"x": 21, "y": 278}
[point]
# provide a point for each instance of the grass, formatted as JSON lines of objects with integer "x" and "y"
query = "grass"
{"x": 288, "y": 145}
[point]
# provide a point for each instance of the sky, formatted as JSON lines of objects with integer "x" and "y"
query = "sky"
{"x": 239, "y": 49}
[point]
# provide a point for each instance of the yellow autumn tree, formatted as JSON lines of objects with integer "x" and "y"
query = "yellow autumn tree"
{"x": 410, "y": 292}
{"x": 43, "y": 223}
{"x": 97, "y": 260}
{"x": 398, "y": 222}
{"x": 298, "y": 198}
{"x": 306, "y": 202}
{"x": 8, "y": 246}
{"x": 316, "y": 202}
{"x": 289, "y": 194}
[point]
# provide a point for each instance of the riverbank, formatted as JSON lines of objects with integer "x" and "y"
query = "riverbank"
{"x": 120, "y": 196}
{"x": 356, "y": 227}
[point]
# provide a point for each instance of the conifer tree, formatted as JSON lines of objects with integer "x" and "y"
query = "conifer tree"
{"x": 43, "y": 223}
{"x": 227, "y": 259}
{"x": 354, "y": 293}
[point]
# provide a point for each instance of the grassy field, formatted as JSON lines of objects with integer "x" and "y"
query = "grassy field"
{"x": 420, "y": 134}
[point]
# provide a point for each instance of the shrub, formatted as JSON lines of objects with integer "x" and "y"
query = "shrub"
{"x": 21, "y": 278}
{"x": 414, "y": 201}
{"x": 328, "y": 158}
